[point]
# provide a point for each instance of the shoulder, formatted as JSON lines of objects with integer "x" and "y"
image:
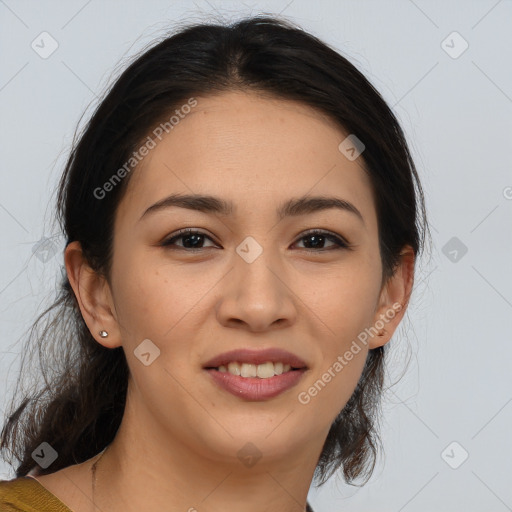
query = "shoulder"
{"x": 25, "y": 494}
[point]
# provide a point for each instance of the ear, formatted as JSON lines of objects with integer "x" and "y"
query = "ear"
{"x": 394, "y": 299}
{"x": 92, "y": 292}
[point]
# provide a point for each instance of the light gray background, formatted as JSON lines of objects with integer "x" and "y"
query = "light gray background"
{"x": 457, "y": 113}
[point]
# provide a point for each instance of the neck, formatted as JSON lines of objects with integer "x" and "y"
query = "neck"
{"x": 144, "y": 468}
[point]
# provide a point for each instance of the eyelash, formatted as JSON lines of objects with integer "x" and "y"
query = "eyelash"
{"x": 340, "y": 242}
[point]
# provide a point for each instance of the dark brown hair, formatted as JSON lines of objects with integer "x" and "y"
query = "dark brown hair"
{"x": 79, "y": 405}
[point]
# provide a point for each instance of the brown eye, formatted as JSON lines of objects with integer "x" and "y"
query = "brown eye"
{"x": 316, "y": 240}
{"x": 191, "y": 239}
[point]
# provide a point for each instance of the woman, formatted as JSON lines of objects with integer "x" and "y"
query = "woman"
{"x": 243, "y": 219}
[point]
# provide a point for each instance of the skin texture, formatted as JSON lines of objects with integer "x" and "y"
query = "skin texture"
{"x": 176, "y": 449}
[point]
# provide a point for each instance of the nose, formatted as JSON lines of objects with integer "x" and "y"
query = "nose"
{"x": 257, "y": 296}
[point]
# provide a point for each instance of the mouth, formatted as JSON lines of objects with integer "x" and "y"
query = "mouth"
{"x": 266, "y": 370}
{"x": 256, "y": 375}
{"x": 270, "y": 358}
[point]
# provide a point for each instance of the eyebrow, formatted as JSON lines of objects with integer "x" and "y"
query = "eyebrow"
{"x": 291, "y": 208}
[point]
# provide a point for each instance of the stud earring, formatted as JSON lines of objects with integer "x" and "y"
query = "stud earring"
{"x": 381, "y": 333}
{"x": 103, "y": 334}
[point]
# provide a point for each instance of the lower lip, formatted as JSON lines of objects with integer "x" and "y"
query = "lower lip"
{"x": 254, "y": 388}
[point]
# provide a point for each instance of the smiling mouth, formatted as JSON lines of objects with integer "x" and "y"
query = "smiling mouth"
{"x": 256, "y": 382}
{"x": 262, "y": 371}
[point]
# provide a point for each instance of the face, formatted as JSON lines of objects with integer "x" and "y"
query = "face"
{"x": 247, "y": 278}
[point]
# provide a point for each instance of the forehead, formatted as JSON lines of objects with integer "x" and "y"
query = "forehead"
{"x": 254, "y": 151}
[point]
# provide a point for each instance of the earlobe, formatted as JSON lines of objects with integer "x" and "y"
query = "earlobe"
{"x": 93, "y": 297}
{"x": 394, "y": 298}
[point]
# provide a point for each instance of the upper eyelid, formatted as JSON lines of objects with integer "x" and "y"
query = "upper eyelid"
{"x": 187, "y": 231}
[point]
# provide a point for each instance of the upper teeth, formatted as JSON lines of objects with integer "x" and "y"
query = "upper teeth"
{"x": 263, "y": 371}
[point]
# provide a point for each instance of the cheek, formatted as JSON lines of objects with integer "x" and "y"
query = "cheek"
{"x": 333, "y": 381}
{"x": 160, "y": 301}
{"x": 339, "y": 378}
{"x": 346, "y": 308}
{"x": 335, "y": 378}
{"x": 157, "y": 304}
{"x": 345, "y": 300}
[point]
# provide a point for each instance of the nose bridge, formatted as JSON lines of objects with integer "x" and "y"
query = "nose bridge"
{"x": 256, "y": 293}
{"x": 256, "y": 267}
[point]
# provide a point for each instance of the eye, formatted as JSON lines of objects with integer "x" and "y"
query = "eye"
{"x": 316, "y": 239}
{"x": 192, "y": 239}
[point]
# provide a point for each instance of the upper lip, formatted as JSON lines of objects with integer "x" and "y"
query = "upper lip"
{"x": 274, "y": 355}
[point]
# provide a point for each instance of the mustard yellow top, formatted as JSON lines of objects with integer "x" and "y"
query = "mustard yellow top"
{"x": 26, "y": 494}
